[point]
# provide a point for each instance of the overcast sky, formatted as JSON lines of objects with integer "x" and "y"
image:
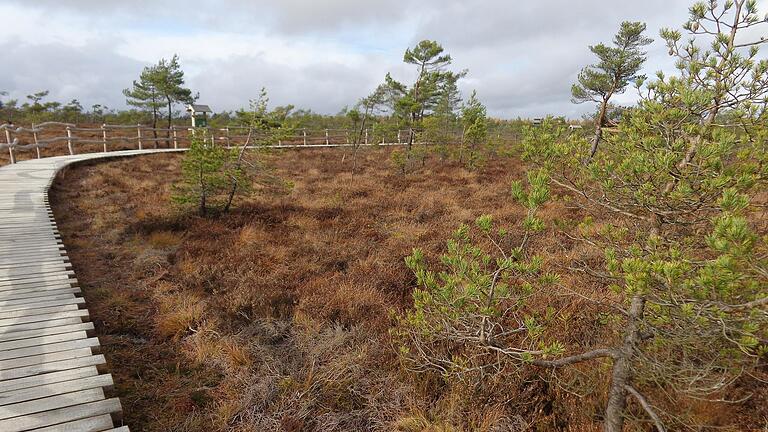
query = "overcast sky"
{"x": 522, "y": 56}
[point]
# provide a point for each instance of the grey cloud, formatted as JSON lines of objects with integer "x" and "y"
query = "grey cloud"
{"x": 522, "y": 56}
{"x": 91, "y": 74}
{"x": 323, "y": 87}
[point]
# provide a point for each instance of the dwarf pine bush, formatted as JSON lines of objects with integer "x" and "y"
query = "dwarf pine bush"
{"x": 208, "y": 171}
{"x": 685, "y": 286}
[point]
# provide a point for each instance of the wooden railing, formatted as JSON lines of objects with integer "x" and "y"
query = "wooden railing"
{"x": 48, "y": 139}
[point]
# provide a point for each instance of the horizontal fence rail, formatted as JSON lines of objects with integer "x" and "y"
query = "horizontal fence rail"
{"x": 58, "y": 138}
{"x": 104, "y": 138}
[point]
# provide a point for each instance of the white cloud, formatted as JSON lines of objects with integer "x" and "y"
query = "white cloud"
{"x": 522, "y": 56}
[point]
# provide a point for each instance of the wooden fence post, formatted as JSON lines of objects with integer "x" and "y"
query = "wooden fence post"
{"x": 305, "y": 136}
{"x": 34, "y": 136}
{"x": 69, "y": 141}
{"x": 138, "y": 134}
{"x": 10, "y": 146}
{"x": 175, "y": 140}
{"x": 104, "y": 136}
{"x": 398, "y": 137}
{"x": 327, "y": 142}
{"x": 366, "y": 136}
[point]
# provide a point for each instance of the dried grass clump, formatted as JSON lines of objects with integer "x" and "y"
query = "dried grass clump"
{"x": 164, "y": 239}
{"x": 178, "y": 314}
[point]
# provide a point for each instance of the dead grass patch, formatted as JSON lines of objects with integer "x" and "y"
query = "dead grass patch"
{"x": 276, "y": 316}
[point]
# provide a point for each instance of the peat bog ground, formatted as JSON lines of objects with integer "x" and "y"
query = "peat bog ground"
{"x": 276, "y": 316}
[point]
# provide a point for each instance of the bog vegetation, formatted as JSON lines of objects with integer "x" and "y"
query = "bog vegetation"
{"x": 610, "y": 280}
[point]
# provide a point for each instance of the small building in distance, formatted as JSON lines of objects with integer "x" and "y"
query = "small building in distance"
{"x": 199, "y": 114}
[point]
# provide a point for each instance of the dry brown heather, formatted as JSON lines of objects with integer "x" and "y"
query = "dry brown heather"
{"x": 276, "y": 316}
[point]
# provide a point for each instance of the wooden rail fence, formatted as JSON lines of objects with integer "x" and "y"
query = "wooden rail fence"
{"x": 52, "y": 136}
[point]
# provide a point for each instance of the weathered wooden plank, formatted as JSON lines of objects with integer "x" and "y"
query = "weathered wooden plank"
{"x": 28, "y": 250}
{"x": 56, "y": 366}
{"x": 92, "y": 343}
{"x": 26, "y": 334}
{"x": 22, "y": 301}
{"x": 30, "y": 393}
{"x": 33, "y": 260}
{"x": 50, "y": 378}
{"x": 39, "y": 222}
{"x": 34, "y": 293}
{"x": 61, "y": 415}
{"x": 44, "y": 274}
{"x": 16, "y": 282}
{"x": 45, "y": 260}
{"x": 11, "y": 232}
{"x": 60, "y": 284}
{"x": 18, "y": 211}
{"x": 43, "y": 340}
{"x": 51, "y": 249}
{"x": 10, "y": 256}
{"x": 57, "y": 262}
{"x": 23, "y": 236}
{"x": 26, "y": 240}
{"x": 99, "y": 423}
{"x": 16, "y": 238}
{"x": 40, "y": 325}
{"x": 42, "y": 269}
{"x": 48, "y": 247}
{"x": 51, "y": 403}
{"x": 37, "y": 311}
{"x": 10, "y": 227}
{"x": 81, "y": 314}
{"x": 20, "y": 272}
{"x": 32, "y": 270}
{"x": 49, "y": 277}
{"x": 45, "y": 304}
{"x": 43, "y": 358}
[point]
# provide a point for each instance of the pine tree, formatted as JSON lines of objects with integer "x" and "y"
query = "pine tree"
{"x": 169, "y": 81}
{"x": 619, "y": 65}
{"x": 475, "y": 121}
{"x": 145, "y": 95}
{"x": 433, "y": 81}
{"x": 208, "y": 171}
{"x": 685, "y": 285}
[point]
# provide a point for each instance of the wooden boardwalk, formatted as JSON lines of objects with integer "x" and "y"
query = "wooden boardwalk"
{"x": 52, "y": 377}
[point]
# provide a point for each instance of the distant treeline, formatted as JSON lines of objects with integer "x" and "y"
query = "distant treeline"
{"x": 36, "y": 109}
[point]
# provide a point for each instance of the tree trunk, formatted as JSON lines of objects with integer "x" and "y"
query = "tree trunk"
{"x": 231, "y": 196}
{"x": 598, "y": 128}
{"x": 168, "y": 132}
{"x": 359, "y": 138}
{"x": 154, "y": 124}
{"x": 621, "y": 375}
{"x": 415, "y": 115}
{"x": 202, "y": 191}
{"x": 238, "y": 164}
